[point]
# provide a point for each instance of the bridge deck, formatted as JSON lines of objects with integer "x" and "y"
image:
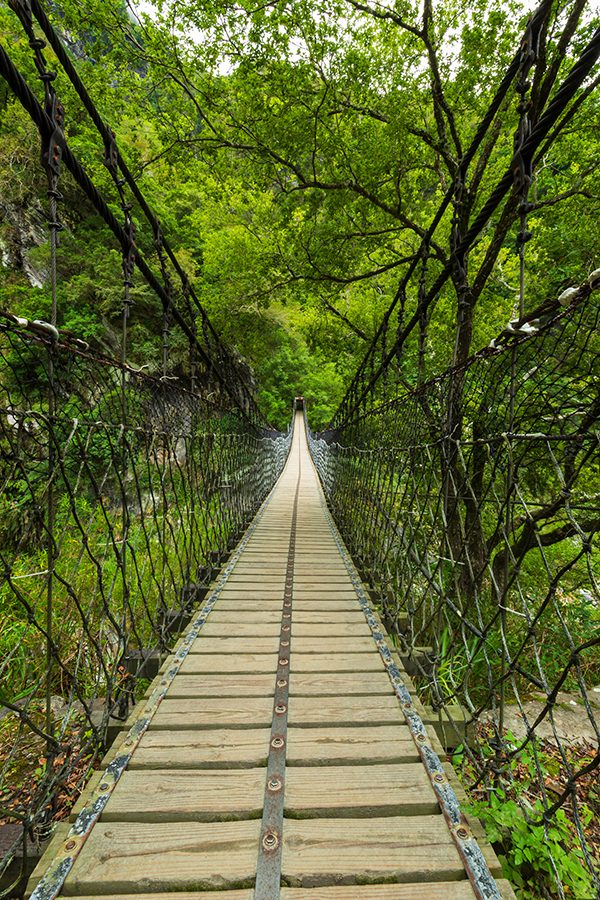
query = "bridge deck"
{"x": 356, "y": 803}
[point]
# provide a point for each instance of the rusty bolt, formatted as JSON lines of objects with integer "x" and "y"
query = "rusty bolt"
{"x": 277, "y": 743}
{"x": 274, "y": 784}
{"x": 462, "y": 832}
{"x": 280, "y": 709}
{"x": 70, "y": 845}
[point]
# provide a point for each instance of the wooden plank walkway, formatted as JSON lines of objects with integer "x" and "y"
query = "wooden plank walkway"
{"x": 354, "y": 811}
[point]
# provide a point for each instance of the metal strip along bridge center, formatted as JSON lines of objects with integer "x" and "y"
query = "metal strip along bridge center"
{"x": 281, "y": 751}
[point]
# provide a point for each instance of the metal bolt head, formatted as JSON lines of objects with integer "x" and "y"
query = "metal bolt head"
{"x": 439, "y": 778}
{"x": 280, "y": 709}
{"x": 462, "y": 832}
{"x": 270, "y": 841}
{"x": 277, "y": 743}
{"x": 282, "y": 682}
{"x": 274, "y": 784}
{"x": 70, "y": 845}
{"x": 104, "y": 786}
{"x": 284, "y": 661}
{"x": 285, "y": 627}
{"x": 285, "y": 643}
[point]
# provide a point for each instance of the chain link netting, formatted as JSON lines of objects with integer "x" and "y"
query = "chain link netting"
{"x": 479, "y": 498}
{"x": 152, "y": 485}
{"x": 123, "y": 489}
{"x": 471, "y": 503}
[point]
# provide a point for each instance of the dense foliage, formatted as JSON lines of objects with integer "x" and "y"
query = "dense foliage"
{"x": 295, "y": 153}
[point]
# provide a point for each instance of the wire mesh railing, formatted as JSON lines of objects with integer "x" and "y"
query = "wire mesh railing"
{"x": 479, "y": 499}
{"x": 123, "y": 489}
{"x": 470, "y": 501}
{"x": 121, "y": 495}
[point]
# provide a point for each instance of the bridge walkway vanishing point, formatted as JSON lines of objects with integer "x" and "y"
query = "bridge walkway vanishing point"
{"x": 225, "y": 787}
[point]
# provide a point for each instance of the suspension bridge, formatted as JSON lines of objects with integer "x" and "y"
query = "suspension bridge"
{"x": 253, "y": 664}
{"x": 280, "y": 743}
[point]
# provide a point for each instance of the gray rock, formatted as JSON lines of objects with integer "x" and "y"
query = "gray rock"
{"x": 567, "y": 722}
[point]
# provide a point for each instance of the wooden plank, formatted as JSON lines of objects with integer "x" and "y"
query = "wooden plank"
{"x": 326, "y": 606}
{"x": 330, "y": 582}
{"x": 447, "y": 890}
{"x": 331, "y": 645}
{"x": 241, "y": 616}
{"x": 272, "y": 613}
{"x": 227, "y": 645}
{"x": 238, "y": 604}
{"x": 350, "y": 614}
{"x": 127, "y": 858}
{"x": 209, "y": 712}
{"x": 216, "y": 629}
{"x": 256, "y": 592}
{"x": 262, "y": 547}
{"x": 161, "y": 795}
{"x": 315, "y": 711}
{"x": 239, "y": 580}
{"x": 265, "y": 556}
{"x": 189, "y": 895}
{"x": 336, "y": 662}
{"x": 222, "y": 686}
{"x": 332, "y": 630}
{"x": 324, "y": 547}
{"x": 400, "y": 789}
{"x": 339, "y": 746}
{"x": 322, "y": 554}
{"x": 229, "y": 664}
{"x": 324, "y": 593}
{"x": 211, "y": 749}
{"x": 339, "y": 685}
{"x": 337, "y": 851}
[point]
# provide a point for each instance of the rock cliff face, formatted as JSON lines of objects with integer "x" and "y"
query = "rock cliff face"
{"x": 23, "y": 230}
